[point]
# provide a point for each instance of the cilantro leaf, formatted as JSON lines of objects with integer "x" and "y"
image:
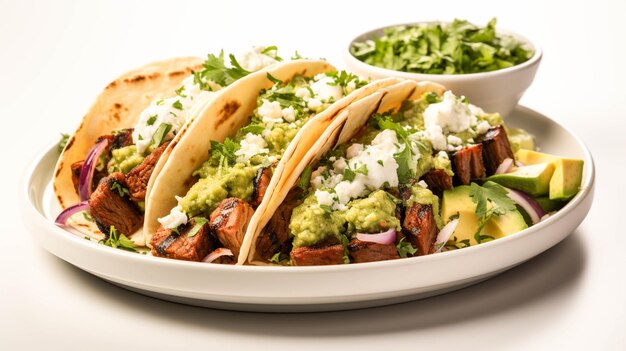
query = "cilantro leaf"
{"x": 121, "y": 190}
{"x": 384, "y": 122}
{"x": 491, "y": 199}
{"x": 252, "y": 128}
{"x": 160, "y": 133}
{"x": 200, "y": 221}
{"x": 177, "y": 105}
{"x": 405, "y": 249}
{"x": 63, "y": 142}
{"x": 214, "y": 69}
{"x": 118, "y": 241}
{"x": 273, "y": 79}
{"x": 305, "y": 178}
{"x": 151, "y": 120}
{"x": 403, "y": 159}
{"x": 272, "y": 51}
{"x": 227, "y": 150}
{"x": 180, "y": 90}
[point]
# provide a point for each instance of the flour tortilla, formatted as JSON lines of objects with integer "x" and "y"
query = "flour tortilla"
{"x": 118, "y": 107}
{"x": 351, "y": 118}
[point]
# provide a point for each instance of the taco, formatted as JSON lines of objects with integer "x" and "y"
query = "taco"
{"x": 220, "y": 176}
{"x": 369, "y": 189}
{"x": 109, "y": 164}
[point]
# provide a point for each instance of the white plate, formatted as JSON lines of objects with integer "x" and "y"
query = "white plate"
{"x": 324, "y": 288}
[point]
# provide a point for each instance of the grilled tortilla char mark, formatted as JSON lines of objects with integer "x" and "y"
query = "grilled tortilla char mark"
{"x": 180, "y": 246}
{"x": 277, "y": 237}
{"x": 420, "y": 228}
{"x": 229, "y": 222}
{"x": 365, "y": 251}
{"x": 108, "y": 208}
{"x": 261, "y": 182}
{"x": 467, "y": 164}
{"x": 137, "y": 179}
{"x": 317, "y": 255}
{"x": 438, "y": 181}
{"x": 496, "y": 148}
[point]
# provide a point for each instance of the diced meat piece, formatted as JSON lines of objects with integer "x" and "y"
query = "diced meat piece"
{"x": 317, "y": 256}
{"x": 168, "y": 243}
{"x": 275, "y": 237}
{"x": 365, "y": 251}
{"x": 438, "y": 180}
{"x": 229, "y": 222}
{"x": 122, "y": 138}
{"x": 420, "y": 228}
{"x": 496, "y": 148}
{"x": 137, "y": 179}
{"x": 261, "y": 182}
{"x": 467, "y": 164}
{"x": 109, "y": 208}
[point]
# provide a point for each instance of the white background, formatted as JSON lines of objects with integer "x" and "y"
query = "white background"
{"x": 55, "y": 57}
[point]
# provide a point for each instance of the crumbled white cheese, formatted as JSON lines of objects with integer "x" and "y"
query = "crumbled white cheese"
{"x": 271, "y": 112}
{"x": 482, "y": 127}
{"x": 454, "y": 140}
{"x": 339, "y": 165}
{"x": 325, "y": 89}
{"x": 303, "y": 93}
{"x": 434, "y": 134}
{"x": 254, "y": 59}
{"x": 314, "y": 104}
{"x": 175, "y": 218}
{"x": 251, "y": 145}
{"x": 289, "y": 114}
{"x": 353, "y": 150}
{"x": 451, "y": 114}
{"x": 324, "y": 197}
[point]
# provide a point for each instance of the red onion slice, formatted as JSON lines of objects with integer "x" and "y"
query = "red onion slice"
{"x": 388, "y": 237}
{"x": 529, "y": 204}
{"x": 217, "y": 253}
{"x": 70, "y": 211}
{"x": 86, "y": 172}
{"x": 505, "y": 166}
{"x": 445, "y": 234}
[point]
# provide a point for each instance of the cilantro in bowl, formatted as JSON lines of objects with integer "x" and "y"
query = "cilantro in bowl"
{"x": 442, "y": 48}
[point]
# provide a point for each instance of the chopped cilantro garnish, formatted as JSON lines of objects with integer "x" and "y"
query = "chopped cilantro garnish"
{"x": 160, "y": 102}
{"x": 200, "y": 221}
{"x": 380, "y": 162}
{"x": 489, "y": 194}
{"x": 326, "y": 208}
{"x": 121, "y": 190}
{"x": 177, "y": 105}
{"x": 63, "y": 142}
{"x": 405, "y": 249}
{"x": 226, "y": 150}
{"x": 214, "y": 69}
{"x": 272, "y": 51}
{"x": 180, "y": 90}
{"x": 160, "y": 134}
{"x": 252, "y": 128}
{"x": 346, "y": 253}
{"x": 118, "y": 241}
{"x": 438, "y": 48}
{"x": 305, "y": 178}
{"x": 151, "y": 120}
{"x": 274, "y": 79}
{"x": 403, "y": 158}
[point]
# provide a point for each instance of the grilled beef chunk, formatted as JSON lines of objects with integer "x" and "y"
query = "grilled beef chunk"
{"x": 365, "y": 251}
{"x": 109, "y": 208}
{"x": 137, "y": 179}
{"x": 97, "y": 175}
{"x": 420, "y": 228}
{"x": 122, "y": 138}
{"x": 467, "y": 164}
{"x": 167, "y": 243}
{"x": 438, "y": 180}
{"x": 229, "y": 222}
{"x": 261, "y": 182}
{"x": 496, "y": 148}
{"x": 277, "y": 228}
{"x": 317, "y": 256}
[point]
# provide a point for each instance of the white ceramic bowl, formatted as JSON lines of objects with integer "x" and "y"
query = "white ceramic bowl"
{"x": 495, "y": 91}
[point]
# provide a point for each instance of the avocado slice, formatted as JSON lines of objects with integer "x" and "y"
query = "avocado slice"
{"x": 567, "y": 176}
{"x": 520, "y": 139}
{"x": 533, "y": 180}
{"x": 550, "y": 205}
{"x": 458, "y": 200}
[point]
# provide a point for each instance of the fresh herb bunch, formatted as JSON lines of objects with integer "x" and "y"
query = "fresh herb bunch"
{"x": 438, "y": 48}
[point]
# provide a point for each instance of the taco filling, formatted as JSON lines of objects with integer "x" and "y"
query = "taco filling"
{"x": 377, "y": 197}
{"x": 113, "y": 179}
{"x": 210, "y": 220}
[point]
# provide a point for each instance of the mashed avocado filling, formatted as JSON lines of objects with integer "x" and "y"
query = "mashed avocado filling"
{"x": 124, "y": 159}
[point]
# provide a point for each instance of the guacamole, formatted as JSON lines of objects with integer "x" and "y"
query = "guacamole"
{"x": 373, "y": 214}
{"x": 311, "y": 223}
{"x": 124, "y": 159}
